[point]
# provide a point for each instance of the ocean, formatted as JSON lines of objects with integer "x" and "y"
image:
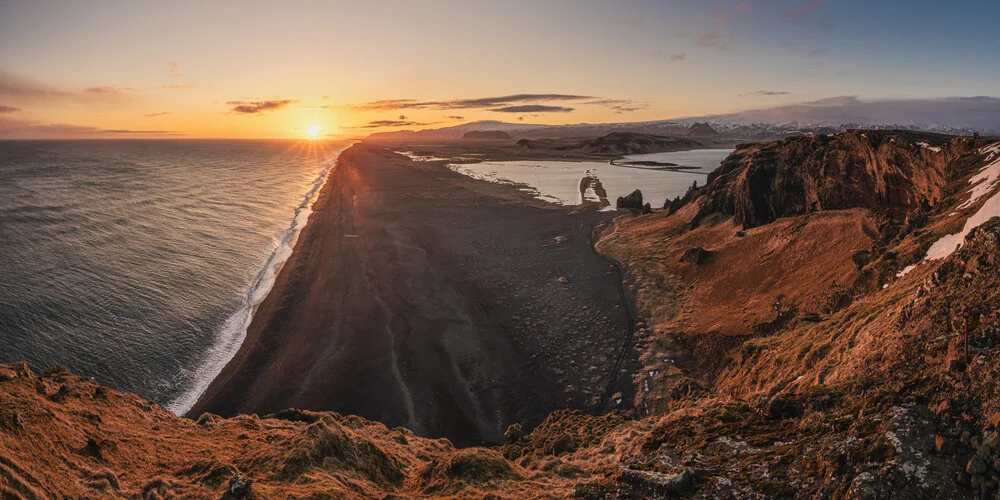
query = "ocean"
{"x": 138, "y": 263}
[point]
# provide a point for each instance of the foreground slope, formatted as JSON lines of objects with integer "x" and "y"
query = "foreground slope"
{"x": 808, "y": 349}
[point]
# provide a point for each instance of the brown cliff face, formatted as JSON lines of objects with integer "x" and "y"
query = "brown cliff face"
{"x": 889, "y": 173}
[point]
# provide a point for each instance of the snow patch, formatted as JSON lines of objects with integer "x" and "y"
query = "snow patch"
{"x": 906, "y": 270}
{"x": 985, "y": 181}
{"x": 928, "y": 146}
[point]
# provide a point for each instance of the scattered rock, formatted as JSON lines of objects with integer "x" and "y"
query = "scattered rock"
{"x": 61, "y": 394}
{"x": 239, "y": 488}
{"x": 562, "y": 279}
{"x": 7, "y": 374}
{"x": 956, "y": 365}
{"x": 206, "y": 419}
{"x": 664, "y": 484}
{"x": 696, "y": 255}
{"x": 975, "y": 466}
{"x": 995, "y": 420}
{"x": 943, "y": 445}
{"x": 861, "y": 258}
{"x": 646, "y": 209}
{"x": 560, "y": 240}
{"x": 632, "y": 202}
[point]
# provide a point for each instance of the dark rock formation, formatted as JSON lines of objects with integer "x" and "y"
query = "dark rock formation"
{"x": 861, "y": 258}
{"x": 632, "y": 202}
{"x": 696, "y": 256}
{"x": 630, "y": 143}
{"x": 885, "y": 171}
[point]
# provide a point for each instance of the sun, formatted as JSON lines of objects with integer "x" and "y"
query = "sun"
{"x": 313, "y": 131}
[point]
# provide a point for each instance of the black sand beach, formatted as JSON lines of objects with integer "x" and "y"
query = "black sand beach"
{"x": 422, "y": 298}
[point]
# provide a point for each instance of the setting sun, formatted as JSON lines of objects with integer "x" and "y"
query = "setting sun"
{"x": 313, "y": 131}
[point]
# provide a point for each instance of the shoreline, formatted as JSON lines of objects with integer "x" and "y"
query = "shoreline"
{"x": 226, "y": 346}
{"x": 398, "y": 304}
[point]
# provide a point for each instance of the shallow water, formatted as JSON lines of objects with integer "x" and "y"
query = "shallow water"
{"x": 573, "y": 182}
{"x": 138, "y": 262}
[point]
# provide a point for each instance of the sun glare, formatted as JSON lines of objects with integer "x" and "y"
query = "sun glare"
{"x": 313, "y": 131}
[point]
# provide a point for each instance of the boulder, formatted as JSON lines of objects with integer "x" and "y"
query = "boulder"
{"x": 861, "y": 258}
{"x": 632, "y": 202}
{"x": 696, "y": 255}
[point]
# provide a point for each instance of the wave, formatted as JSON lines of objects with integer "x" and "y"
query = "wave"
{"x": 234, "y": 331}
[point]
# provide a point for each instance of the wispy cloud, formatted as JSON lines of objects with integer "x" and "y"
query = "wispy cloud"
{"x": 714, "y": 40}
{"x": 726, "y": 12}
{"x": 803, "y": 11}
{"x": 28, "y": 88}
{"x": 619, "y": 105}
{"x": 162, "y": 113}
{"x": 109, "y": 89}
{"x": 482, "y": 102}
{"x": 174, "y": 69}
{"x": 178, "y": 86}
{"x": 455, "y": 117}
{"x": 766, "y": 93}
{"x": 138, "y": 132}
{"x": 392, "y": 123}
{"x": 532, "y": 108}
{"x": 8, "y": 109}
{"x": 678, "y": 57}
{"x": 11, "y": 128}
{"x": 255, "y": 107}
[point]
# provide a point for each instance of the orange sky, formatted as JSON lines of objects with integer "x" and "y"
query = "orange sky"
{"x": 114, "y": 68}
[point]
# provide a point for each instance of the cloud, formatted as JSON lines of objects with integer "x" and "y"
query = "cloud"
{"x": 724, "y": 13}
{"x": 180, "y": 86}
{"x": 139, "y": 132}
{"x": 162, "y": 113}
{"x": 532, "y": 108}
{"x": 392, "y": 123}
{"x": 8, "y": 109}
{"x": 23, "y": 129}
{"x": 714, "y": 40}
{"x": 678, "y": 57}
{"x": 482, "y": 102}
{"x": 803, "y": 11}
{"x": 174, "y": 69}
{"x": 402, "y": 117}
{"x": 766, "y": 93}
{"x": 23, "y": 87}
{"x": 455, "y": 117}
{"x": 254, "y": 107}
{"x": 110, "y": 89}
{"x": 619, "y": 105}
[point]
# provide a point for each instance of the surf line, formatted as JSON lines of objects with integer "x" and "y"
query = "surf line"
{"x": 230, "y": 336}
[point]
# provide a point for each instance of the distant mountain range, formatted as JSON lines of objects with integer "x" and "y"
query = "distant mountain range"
{"x": 953, "y": 115}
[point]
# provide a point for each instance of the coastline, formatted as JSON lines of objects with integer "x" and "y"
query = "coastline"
{"x": 407, "y": 301}
{"x": 233, "y": 333}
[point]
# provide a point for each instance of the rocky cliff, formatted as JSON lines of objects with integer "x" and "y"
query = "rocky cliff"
{"x": 891, "y": 173}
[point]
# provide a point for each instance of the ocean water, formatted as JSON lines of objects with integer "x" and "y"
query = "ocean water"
{"x": 573, "y": 182}
{"x": 139, "y": 263}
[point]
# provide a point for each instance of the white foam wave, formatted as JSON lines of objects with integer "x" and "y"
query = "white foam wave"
{"x": 233, "y": 332}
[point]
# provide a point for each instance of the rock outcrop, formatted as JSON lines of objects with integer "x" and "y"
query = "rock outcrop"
{"x": 631, "y": 201}
{"x": 886, "y": 172}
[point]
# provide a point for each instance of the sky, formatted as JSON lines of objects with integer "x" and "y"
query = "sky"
{"x": 249, "y": 69}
